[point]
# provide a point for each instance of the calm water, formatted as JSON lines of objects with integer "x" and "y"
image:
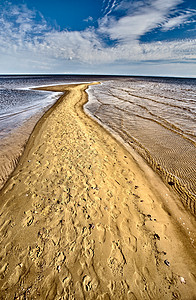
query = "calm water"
{"x": 156, "y": 117}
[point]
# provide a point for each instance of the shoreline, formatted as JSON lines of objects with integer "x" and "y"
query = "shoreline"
{"x": 79, "y": 212}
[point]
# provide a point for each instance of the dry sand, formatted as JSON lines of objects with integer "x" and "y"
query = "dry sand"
{"x": 81, "y": 219}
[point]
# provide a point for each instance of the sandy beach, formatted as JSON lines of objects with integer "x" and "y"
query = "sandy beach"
{"x": 83, "y": 218}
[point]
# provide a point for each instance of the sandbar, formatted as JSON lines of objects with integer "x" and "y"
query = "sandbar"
{"x": 81, "y": 219}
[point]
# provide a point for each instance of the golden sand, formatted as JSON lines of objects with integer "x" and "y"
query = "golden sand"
{"x": 81, "y": 218}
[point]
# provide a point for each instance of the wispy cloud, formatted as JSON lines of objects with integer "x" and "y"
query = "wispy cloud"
{"x": 180, "y": 20}
{"x": 89, "y": 19}
{"x": 135, "y": 7}
{"x": 109, "y": 6}
{"x": 26, "y": 38}
{"x": 19, "y": 27}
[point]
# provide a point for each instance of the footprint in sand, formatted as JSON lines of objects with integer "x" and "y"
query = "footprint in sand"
{"x": 49, "y": 288}
{"x": 104, "y": 296}
{"x": 19, "y": 272}
{"x": 89, "y": 285}
{"x": 59, "y": 261}
{"x": 4, "y": 228}
{"x": 29, "y": 218}
{"x": 58, "y": 282}
{"x": 115, "y": 212}
{"x": 35, "y": 253}
{"x": 3, "y": 268}
{"x": 129, "y": 239}
{"x": 117, "y": 260}
{"x": 120, "y": 290}
{"x": 131, "y": 296}
{"x": 65, "y": 277}
{"x": 79, "y": 291}
{"x": 102, "y": 233}
{"x": 140, "y": 281}
{"x": 88, "y": 250}
{"x": 150, "y": 285}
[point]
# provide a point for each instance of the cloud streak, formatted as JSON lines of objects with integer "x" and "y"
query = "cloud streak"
{"x": 177, "y": 21}
{"x": 110, "y": 6}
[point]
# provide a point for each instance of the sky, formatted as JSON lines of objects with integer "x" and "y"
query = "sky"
{"x": 120, "y": 37}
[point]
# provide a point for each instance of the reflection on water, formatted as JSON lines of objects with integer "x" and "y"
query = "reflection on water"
{"x": 157, "y": 118}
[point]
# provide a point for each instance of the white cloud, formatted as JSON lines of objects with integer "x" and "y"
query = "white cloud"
{"x": 141, "y": 17}
{"x": 130, "y": 28}
{"x": 30, "y": 44}
{"x": 166, "y": 5}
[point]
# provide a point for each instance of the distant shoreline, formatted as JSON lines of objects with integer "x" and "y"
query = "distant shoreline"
{"x": 99, "y": 76}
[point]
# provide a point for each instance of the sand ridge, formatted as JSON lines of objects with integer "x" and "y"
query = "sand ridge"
{"x": 80, "y": 220}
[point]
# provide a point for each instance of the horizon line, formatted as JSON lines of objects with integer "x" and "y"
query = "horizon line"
{"x": 98, "y": 74}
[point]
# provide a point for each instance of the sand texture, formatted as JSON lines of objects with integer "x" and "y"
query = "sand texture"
{"x": 79, "y": 218}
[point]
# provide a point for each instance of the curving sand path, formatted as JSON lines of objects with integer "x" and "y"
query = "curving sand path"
{"x": 79, "y": 219}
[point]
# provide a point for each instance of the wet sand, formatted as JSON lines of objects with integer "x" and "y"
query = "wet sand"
{"x": 83, "y": 218}
{"x": 12, "y": 147}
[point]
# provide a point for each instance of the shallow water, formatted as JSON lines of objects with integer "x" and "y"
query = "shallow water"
{"x": 156, "y": 117}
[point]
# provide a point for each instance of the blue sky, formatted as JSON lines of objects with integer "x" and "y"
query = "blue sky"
{"x": 135, "y": 37}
